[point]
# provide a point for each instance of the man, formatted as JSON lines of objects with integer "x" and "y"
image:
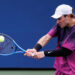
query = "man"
{"x": 64, "y": 30}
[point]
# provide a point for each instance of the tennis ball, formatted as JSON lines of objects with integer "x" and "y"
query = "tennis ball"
{"x": 2, "y": 38}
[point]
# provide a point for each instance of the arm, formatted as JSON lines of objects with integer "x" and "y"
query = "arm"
{"x": 62, "y": 52}
{"x": 46, "y": 38}
{"x": 59, "y": 52}
{"x": 42, "y": 42}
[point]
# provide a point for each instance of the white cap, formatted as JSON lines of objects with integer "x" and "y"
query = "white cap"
{"x": 61, "y": 10}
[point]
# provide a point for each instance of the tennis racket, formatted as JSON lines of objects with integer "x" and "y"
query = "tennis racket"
{"x": 9, "y": 46}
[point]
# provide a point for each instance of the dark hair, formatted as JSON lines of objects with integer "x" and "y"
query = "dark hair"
{"x": 71, "y": 15}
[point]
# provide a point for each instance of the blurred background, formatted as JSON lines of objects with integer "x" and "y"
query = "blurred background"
{"x": 26, "y": 21}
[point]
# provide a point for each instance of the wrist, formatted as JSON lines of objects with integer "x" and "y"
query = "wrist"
{"x": 37, "y": 47}
{"x": 43, "y": 53}
{"x": 46, "y": 53}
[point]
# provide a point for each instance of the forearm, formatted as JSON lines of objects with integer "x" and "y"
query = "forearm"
{"x": 57, "y": 53}
{"x": 42, "y": 42}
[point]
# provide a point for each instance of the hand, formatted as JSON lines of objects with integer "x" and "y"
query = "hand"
{"x": 39, "y": 55}
{"x": 29, "y": 52}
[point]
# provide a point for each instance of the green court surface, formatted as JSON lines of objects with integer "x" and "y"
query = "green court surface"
{"x": 27, "y": 72}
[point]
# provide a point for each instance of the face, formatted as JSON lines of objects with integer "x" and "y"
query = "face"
{"x": 63, "y": 21}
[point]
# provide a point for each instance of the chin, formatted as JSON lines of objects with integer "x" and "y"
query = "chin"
{"x": 62, "y": 26}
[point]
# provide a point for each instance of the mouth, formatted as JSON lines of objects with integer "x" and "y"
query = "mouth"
{"x": 60, "y": 24}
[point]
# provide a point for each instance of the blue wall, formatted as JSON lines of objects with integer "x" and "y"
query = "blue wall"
{"x": 26, "y": 21}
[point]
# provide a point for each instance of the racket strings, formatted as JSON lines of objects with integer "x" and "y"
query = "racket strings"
{"x": 7, "y": 46}
{"x": 3, "y": 44}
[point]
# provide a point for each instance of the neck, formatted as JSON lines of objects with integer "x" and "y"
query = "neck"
{"x": 72, "y": 23}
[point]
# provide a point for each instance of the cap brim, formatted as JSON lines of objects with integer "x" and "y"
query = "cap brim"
{"x": 56, "y": 16}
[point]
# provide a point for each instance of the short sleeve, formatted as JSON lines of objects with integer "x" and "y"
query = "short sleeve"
{"x": 69, "y": 42}
{"x": 53, "y": 31}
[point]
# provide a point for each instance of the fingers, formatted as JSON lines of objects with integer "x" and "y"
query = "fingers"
{"x": 39, "y": 55}
{"x": 29, "y": 51}
{"x": 25, "y": 53}
{"x": 34, "y": 54}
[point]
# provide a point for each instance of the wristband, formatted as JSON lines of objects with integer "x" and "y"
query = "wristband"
{"x": 37, "y": 47}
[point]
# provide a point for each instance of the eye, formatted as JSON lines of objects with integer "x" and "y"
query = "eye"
{"x": 59, "y": 18}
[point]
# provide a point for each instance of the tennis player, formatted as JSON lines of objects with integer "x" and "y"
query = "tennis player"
{"x": 64, "y": 30}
